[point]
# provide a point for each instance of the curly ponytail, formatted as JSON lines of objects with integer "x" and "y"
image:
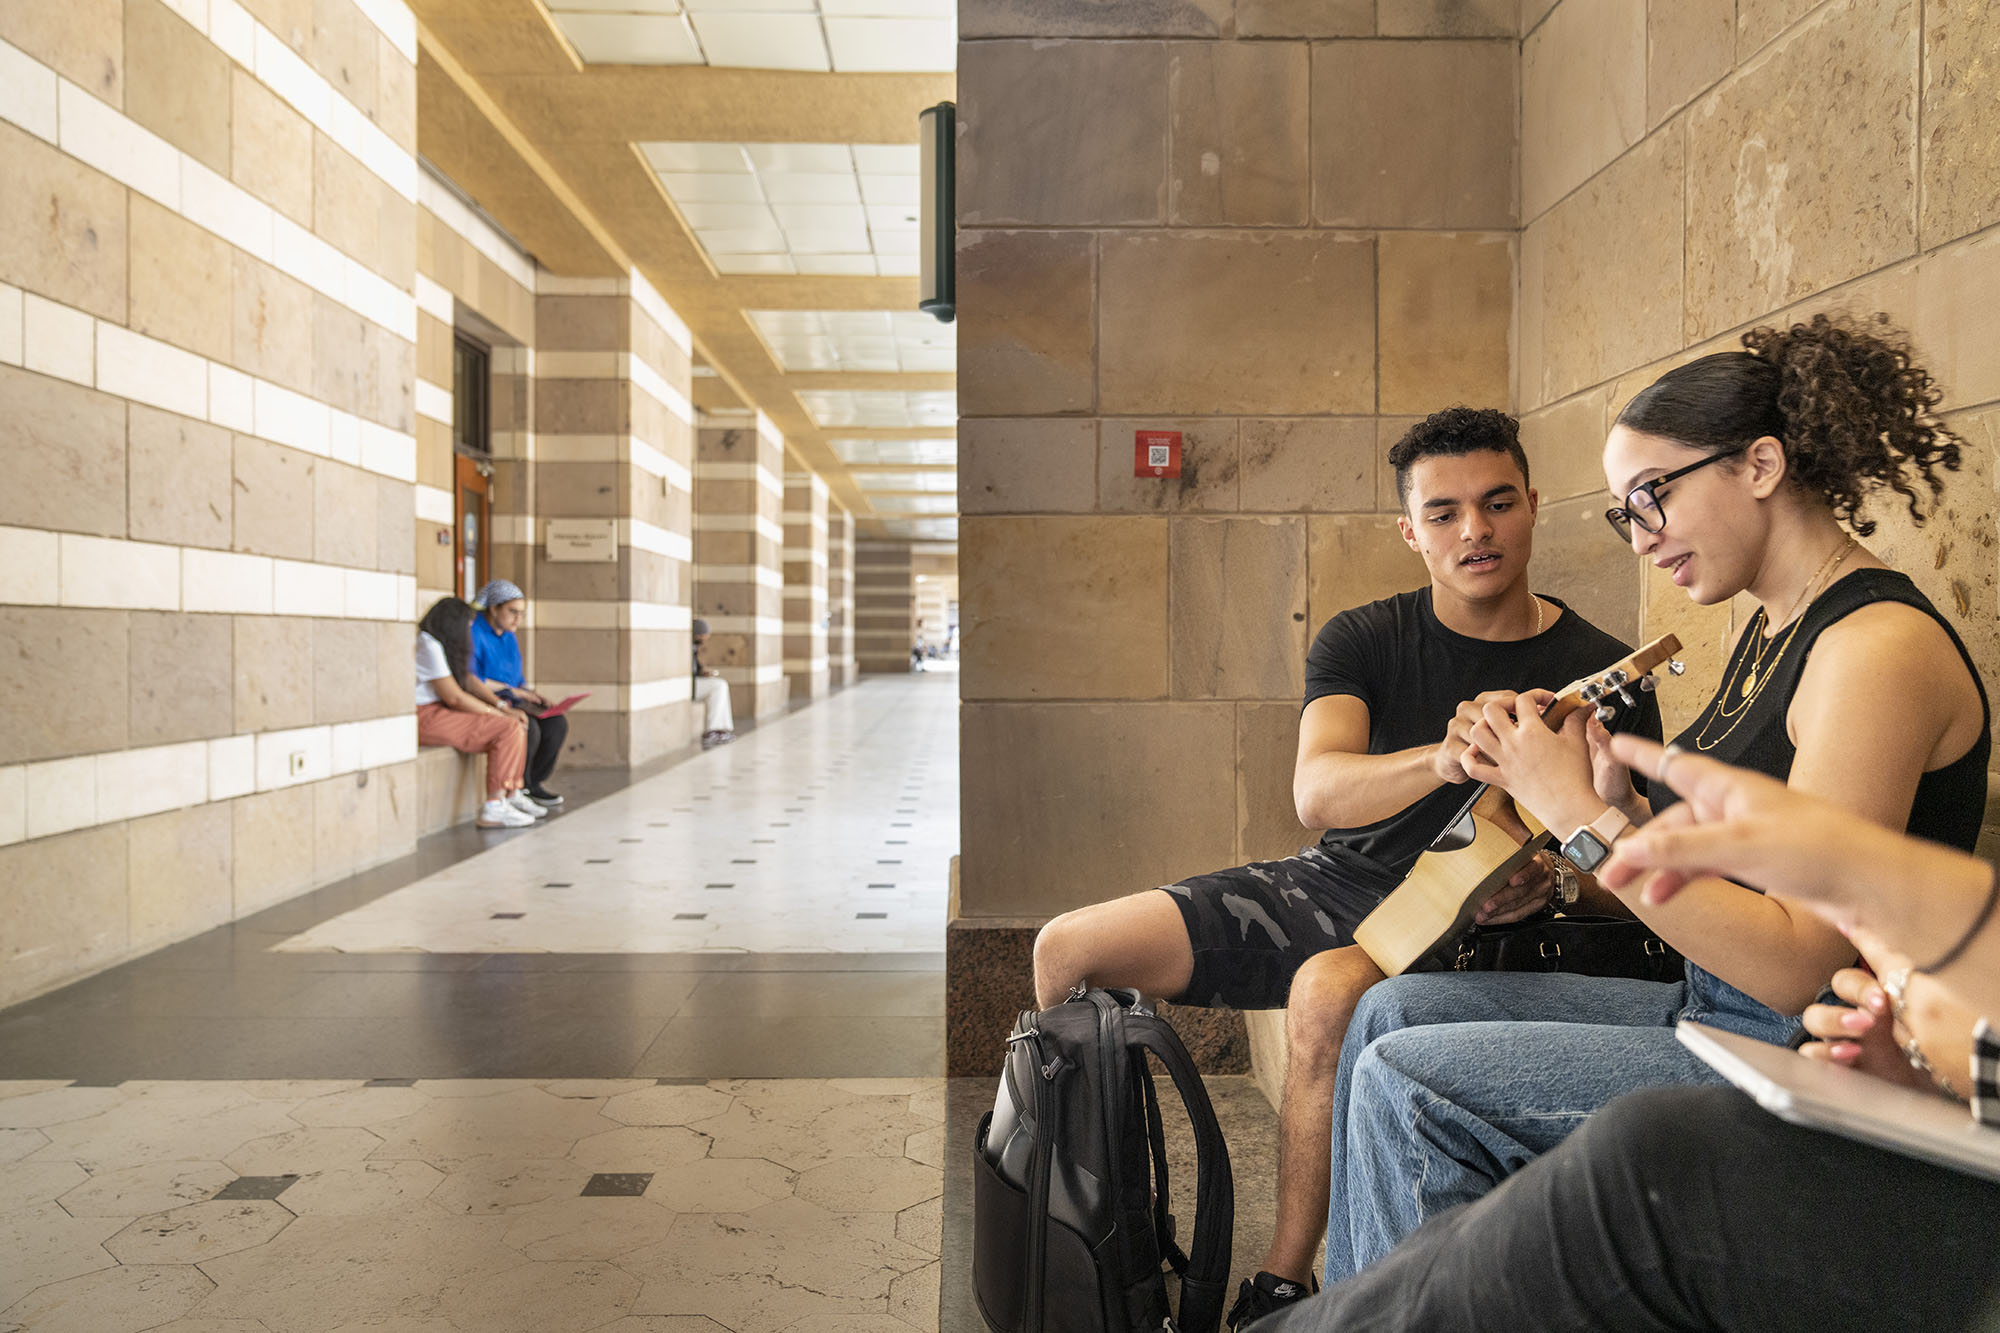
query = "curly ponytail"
{"x": 1855, "y": 413}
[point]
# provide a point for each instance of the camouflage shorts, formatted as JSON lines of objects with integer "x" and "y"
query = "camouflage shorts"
{"x": 1252, "y": 927}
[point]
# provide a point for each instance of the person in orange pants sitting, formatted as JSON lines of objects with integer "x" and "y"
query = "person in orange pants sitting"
{"x": 455, "y": 708}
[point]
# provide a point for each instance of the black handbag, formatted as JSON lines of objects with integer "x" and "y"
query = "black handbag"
{"x": 1590, "y": 946}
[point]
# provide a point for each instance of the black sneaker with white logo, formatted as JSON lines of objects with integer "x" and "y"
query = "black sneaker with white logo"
{"x": 1264, "y": 1294}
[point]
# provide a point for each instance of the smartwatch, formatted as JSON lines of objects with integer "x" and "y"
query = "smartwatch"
{"x": 1589, "y": 846}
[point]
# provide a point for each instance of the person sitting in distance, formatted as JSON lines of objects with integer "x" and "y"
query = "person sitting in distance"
{"x": 711, "y": 691}
{"x": 496, "y": 660}
{"x": 455, "y": 708}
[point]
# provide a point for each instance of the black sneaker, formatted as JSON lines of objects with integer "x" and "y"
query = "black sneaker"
{"x": 1262, "y": 1295}
{"x": 541, "y": 797}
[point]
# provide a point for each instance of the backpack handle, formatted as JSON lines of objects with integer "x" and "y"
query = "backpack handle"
{"x": 1205, "y": 1284}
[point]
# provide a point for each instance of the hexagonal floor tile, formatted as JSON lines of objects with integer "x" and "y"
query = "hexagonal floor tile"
{"x": 567, "y": 1294}
{"x": 198, "y": 1232}
{"x": 44, "y": 1244}
{"x": 913, "y": 1298}
{"x": 135, "y": 1191}
{"x": 488, "y": 1185}
{"x": 667, "y": 1104}
{"x": 55, "y": 1106}
{"x": 651, "y": 1148}
{"x": 592, "y": 1228}
{"x": 18, "y": 1143}
{"x": 301, "y": 1152}
{"x": 360, "y": 1108}
{"x": 112, "y": 1300}
{"x": 521, "y": 1122}
{"x": 869, "y": 1184}
{"x": 922, "y": 1225}
{"x": 25, "y": 1184}
{"x": 926, "y": 1146}
{"x": 709, "y": 1186}
{"x": 362, "y": 1188}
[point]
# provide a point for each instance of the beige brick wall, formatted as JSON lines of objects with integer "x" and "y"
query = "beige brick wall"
{"x": 806, "y": 559}
{"x": 842, "y": 667}
{"x": 1692, "y": 170}
{"x": 1287, "y": 247}
{"x": 207, "y": 577}
{"x": 739, "y": 536}
{"x": 885, "y": 605}
{"x": 1280, "y": 229}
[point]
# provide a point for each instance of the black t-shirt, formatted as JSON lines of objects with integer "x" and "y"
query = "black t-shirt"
{"x": 1398, "y": 658}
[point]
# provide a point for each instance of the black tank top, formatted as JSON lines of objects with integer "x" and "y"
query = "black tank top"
{"x": 1744, "y": 724}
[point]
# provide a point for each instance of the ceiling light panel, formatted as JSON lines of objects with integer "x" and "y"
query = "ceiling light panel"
{"x": 833, "y": 209}
{"x": 619, "y": 6}
{"x": 908, "y": 453}
{"x": 857, "y": 340}
{"x": 880, "y": 407}
{"x": 891, "y": 45}
{"x": 922, "y": 529}
{"x": 940, "y": 481}
{"x": 630, "y": 39}
{"x": 736, "y": 40}
{"x": 914, "y": 504}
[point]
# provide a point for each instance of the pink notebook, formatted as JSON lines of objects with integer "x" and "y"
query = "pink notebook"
{"x": 564, "y": 706}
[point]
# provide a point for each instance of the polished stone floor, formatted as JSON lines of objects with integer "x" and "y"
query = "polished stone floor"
{"x": 693, "y": 1086}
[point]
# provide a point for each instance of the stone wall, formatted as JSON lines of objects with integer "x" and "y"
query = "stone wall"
{"x": 841, "y": 665}
{"x": 1280, "y": 230}
{"x": 739, "y": 549}
{"x": 807, "y": 667}
{"x": 1692, "y": 170}
{"x": 207, "y": 341}
{"x": 885, "y": 606}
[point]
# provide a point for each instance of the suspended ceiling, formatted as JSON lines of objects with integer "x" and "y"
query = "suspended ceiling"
{"x": 774, "y": 208}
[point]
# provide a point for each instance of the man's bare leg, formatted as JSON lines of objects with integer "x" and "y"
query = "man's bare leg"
{"x": 1139, "y": 941}
{"x": 1322, "y": 1001}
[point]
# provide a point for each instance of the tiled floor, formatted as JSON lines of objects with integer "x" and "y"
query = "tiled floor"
{"x": 623, "y": 1205}
{"x": 827, "y": 831}
{"x": 376, "y": 1107}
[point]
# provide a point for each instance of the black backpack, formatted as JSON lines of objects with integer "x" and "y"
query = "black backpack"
{"x": 1070, "y": 1222}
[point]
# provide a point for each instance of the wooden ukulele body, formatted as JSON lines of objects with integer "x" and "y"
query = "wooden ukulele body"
{"x": 1483, "y": 846}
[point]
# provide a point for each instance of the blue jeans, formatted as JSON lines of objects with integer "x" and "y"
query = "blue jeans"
{"x": 1450, "y": 1082}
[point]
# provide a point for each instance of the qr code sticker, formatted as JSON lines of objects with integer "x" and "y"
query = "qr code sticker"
{"x": 1158, "y": 455}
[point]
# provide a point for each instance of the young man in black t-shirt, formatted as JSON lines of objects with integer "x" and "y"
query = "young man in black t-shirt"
{"x": 1392, "y": 689}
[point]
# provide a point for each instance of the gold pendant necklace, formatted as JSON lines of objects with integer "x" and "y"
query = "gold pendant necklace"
{"x": 1755, "y": 672}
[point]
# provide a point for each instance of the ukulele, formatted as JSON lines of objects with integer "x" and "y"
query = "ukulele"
{"x": 1489, "y": 838}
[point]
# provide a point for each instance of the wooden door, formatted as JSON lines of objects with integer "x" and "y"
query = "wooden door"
{"x": 473, "y": 535}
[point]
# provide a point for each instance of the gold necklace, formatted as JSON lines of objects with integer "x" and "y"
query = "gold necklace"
{"x": 1747, "y": 681}
{"x": 1756, "y": 675}
{"x": 1538, "y": 614}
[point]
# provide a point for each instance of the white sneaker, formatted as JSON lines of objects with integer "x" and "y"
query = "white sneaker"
{"x": 497, "y": 813}
{"x": 521, "y": 801}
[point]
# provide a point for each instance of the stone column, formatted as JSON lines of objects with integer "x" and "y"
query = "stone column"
{"x": 739, "y": 574}
{"x": 840, "y": 595}
{"x": 805, "y": 553}
{"x": 1276, "y": 248}
{"x": 885, "y": 606}
{"x": 614, "y": 441}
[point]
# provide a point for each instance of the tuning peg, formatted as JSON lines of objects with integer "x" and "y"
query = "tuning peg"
{"x": 1626, "y": 695}
{"x": 1675, "y": 666}
{"x": 1605, "y": 713}
{"x": 1649, "y": 683}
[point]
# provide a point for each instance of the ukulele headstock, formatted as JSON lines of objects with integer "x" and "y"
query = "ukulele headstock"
{"x": 1619, "y": 681}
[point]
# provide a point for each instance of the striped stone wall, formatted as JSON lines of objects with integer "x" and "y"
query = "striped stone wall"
{"x": 739, "y": 542}
{"x": 806, "y": 565}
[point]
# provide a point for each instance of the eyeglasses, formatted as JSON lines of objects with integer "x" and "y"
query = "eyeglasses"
{"x": 1642, "y": 507}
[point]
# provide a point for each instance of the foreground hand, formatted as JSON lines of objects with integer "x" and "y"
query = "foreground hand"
{"x": 518, "y": 716}
{"x": 1609, "y": 776}
{"x": 1750, "y": 828}
{"x": 1448, "y": 761}
{"x": 1522, "y": 896}
{"x": 1863, "y": 1037}
{"x": 1546, "y": 771}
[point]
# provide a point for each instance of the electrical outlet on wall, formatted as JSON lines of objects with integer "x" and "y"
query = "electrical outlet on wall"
{"x": 295, "y": 763}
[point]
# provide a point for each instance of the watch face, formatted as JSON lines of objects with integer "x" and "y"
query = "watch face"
{"x": 1585, "y": 850}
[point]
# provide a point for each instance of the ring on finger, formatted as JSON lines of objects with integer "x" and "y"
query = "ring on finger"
{"x": 1667, "y": 757}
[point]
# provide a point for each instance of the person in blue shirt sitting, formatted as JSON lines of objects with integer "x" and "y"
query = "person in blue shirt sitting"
{"x": 496, "y": 659}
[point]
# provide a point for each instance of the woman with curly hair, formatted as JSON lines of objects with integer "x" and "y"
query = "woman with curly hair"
{"x": 1740, "y": 474}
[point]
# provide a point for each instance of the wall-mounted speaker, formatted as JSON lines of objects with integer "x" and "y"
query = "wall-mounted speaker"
{"x": 937, "y": 128}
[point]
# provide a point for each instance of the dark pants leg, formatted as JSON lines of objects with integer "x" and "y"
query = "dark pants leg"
{"x": 545, "y": 742}
{"x": 1691, "y": 1208}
